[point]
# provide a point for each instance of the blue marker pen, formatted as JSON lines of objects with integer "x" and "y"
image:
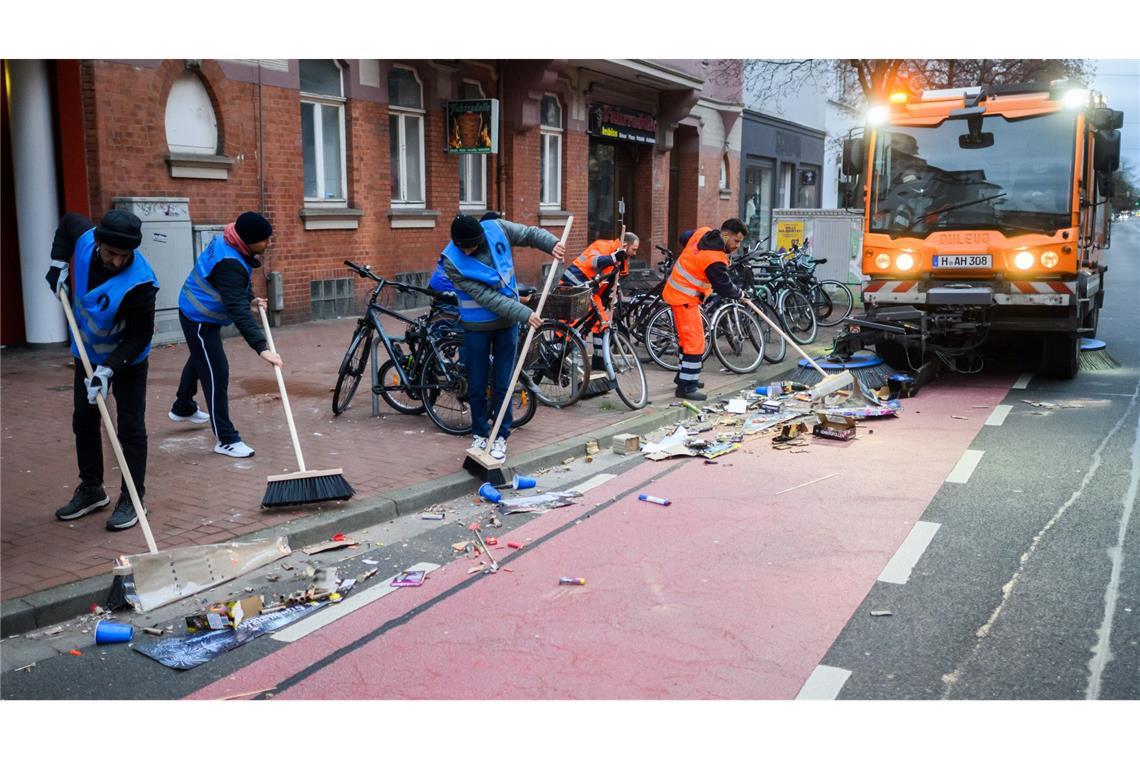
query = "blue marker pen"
{"x": 654, "y": 499}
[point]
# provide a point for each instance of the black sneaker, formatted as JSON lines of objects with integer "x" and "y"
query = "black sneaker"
{"x": 85, "y": 500}
{"x": 692, "y": 395}
{"x": 124, "y": 515}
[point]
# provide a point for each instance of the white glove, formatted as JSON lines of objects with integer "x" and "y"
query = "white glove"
{"x": 99, "y": 384}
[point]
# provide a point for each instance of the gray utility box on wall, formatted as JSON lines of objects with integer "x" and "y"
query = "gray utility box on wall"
{"x": 834, "y": 234}
{"x": 168, "y": 245}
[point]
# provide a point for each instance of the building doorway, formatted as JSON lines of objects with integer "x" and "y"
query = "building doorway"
{"x": 759, "y": 175}
{"x": 611, "y": 179}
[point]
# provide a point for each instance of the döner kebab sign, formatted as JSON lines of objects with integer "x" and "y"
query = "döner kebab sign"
{"x": 473, "y": 126}
{"x": 622, "y": 124}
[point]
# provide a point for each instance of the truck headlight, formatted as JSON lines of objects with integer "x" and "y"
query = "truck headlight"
{"x": 904, "y": 262}
{"x": 1049, "y": 259}
{"x": 883, "y": 261}
{"x": 1023, "y": 260}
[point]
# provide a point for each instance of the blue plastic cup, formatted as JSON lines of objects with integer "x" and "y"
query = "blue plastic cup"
{"x": 522, "y": 481}
{"x": 109, "y": 632}
{"x": 490, "y": 493}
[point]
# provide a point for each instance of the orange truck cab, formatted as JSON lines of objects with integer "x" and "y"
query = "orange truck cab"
{"x": 986, "y": 209}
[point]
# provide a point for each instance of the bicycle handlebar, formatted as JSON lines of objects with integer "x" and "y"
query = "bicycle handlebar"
{"x": 366, "y": 271}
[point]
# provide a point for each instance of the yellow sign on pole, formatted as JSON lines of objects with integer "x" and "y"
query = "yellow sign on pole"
{"x": 786, "y": 232}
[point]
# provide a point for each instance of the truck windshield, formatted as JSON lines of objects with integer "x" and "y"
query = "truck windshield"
{"x": 986, "y": 172}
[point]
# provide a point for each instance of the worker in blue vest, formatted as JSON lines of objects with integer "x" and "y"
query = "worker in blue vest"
{"x": 479, "y": 262}
{"x": 219, "y": 292}
{"x": 113, "y": 301}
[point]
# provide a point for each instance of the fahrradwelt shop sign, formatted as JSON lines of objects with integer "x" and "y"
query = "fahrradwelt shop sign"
{"x": 622, "y": 124}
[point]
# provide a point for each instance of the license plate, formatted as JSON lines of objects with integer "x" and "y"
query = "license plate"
{"x": 964, "y": 261}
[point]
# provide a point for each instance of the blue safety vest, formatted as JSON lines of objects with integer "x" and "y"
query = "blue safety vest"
{"x": 199, "y": 300}
{"x": 502, "y": 276}
{"x": 439, "y": 279}
{"x": 95, "y": 309}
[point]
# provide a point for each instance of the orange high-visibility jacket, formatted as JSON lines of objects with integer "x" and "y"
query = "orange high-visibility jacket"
{"x": 688, "y": 283}
{"x": 583, "y": 268}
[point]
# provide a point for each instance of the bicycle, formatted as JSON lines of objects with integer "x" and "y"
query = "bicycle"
{"x": 831, "y": 299}
{"x": 403, "y": 379}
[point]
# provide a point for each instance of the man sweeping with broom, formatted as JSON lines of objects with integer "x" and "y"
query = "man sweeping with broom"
{"x": 114, "y": 302}
{"x": 478, "y": 261}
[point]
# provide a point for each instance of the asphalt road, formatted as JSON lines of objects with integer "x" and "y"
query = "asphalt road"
{"x": 1030, "y": 588}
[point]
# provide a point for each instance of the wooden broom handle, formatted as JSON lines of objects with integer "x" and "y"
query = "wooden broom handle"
{"x": 509, "y": 395}
{"x": 284, "y": 395}
{"x": 109, "y": 427}
{"x": 786, "y": 338}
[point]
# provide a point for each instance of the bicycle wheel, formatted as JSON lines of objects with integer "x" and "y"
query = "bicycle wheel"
{"x": 555, "y": 365}
{"x": 797, "y": 316}
{"x": 775, "y": 347}
{"x": 524, "y": 405}
{"x": 444, "y": 382}
{"x": 738, "y": 338}
{"x": 840, "y": 300}
{"x": 400, "y": 400}
{"x": 352, "y": 368}
{"x": 629, "y": 375}
{"x": 661, "y": 339}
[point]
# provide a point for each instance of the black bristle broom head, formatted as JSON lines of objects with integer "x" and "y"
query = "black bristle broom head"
{"x": 306, "y": 488}
{"x": 499, "y": 475}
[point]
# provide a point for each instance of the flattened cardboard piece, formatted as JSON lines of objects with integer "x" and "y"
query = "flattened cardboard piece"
{"x": 737, "y": 406}
{"x": 325, "y": 546}
{"x": 537, "y": 503}
{"x": 168, "y": 576}
{"x": 835, "y": 427}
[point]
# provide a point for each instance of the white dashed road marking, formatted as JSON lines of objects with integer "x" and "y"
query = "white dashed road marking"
{"x": 825, "y": 682}
{"x": 899, "y": 568}
{"x": 1023, "y": 382}
{"x": 998, "y": 415}
{"x": 965, "y": 467}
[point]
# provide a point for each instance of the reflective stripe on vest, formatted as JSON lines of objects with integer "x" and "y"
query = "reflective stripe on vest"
{"x": 95, "y": 310}
{"x": 501, "y": 276}
{"x": 199, "y": 300}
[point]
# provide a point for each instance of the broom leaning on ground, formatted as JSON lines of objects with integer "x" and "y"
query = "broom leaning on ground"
{"x": 305, "y": 486}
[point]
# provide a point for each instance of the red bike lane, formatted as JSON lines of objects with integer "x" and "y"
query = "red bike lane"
{"x": 732, "y": 592}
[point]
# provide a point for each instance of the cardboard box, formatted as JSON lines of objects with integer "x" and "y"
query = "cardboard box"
{"x": 771, "y": 407}
{"x": 834, "y": 427}
{"x": 626, "y": 443}
{"x": 244, "y": 608}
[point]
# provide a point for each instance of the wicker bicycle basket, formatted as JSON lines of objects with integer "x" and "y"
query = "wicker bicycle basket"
{"x": 567, "y": 303}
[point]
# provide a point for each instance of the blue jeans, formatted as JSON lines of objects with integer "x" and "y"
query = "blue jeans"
{"x": 480, "y": 347}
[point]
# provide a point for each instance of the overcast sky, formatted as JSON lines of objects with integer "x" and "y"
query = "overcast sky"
{"x": 1119, "y": 80}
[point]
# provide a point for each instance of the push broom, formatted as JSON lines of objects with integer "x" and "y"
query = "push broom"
{"x": 829, "y": 383}
{"x": 479, "y": 462}
{"x": 304, "y": 486}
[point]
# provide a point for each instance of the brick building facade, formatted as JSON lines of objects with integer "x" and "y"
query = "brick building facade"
{"x": 279, "y": 128}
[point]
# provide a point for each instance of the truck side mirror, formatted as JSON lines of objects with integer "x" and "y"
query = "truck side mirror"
{"x": 1105, "y": 119}
{"x": 1106, "y": 186}
{"x": 853, "y": 156}
{"x": 1106, "y": 151}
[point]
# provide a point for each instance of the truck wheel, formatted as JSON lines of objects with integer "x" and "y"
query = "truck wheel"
{"x": 1062, "y": 355}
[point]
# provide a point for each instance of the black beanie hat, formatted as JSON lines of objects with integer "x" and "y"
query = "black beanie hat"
{"x": 712, "y": 241}
{"x": 466, "y": 231}
{"x": 252, "y": 227}
{"x": 121, "y": 229}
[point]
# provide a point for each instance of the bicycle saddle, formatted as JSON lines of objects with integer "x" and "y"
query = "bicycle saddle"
{"x": 819, "y": 261}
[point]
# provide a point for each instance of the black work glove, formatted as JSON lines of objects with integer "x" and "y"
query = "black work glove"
{"x": 57, "y": 275}
{"x": 99, "y": 384}
{"x": 621, "y": 255}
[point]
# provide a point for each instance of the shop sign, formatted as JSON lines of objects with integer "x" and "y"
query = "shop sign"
{"x": 622, "y": 124}
{"x": 473, "y": 126}
{"x": 807, "y": 177}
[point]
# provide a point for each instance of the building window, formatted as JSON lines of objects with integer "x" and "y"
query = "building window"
{"x": 724, "y": 173}
{"x": 191, "y": 126}
{"x": 807, "y": 188}
{"x": 406, "y": 136}
{"x": 550, "y": 163}
{"x": 322, "y": 133}
{"x": 472, "y": 168}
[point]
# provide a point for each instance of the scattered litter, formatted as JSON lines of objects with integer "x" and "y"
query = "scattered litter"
{"x": 537, "y": 503}
{"x": 431, "y": 516}
{"x": 737, "y": 406}
{"x": 76, "y": 653}
{"x": 719, "y": 449}
{"x": 410, "y": 578}
{"x": 790, "y": 433}
{"x": 474, "y": 570}
{"x": 153, "y": 631}
{"x": 249, "y": 693}
{"x": 568, "y": 460}
{"x": 55, "y": 631}
{"x": 490, "y": 493}
{"x": 368, "y": 574}
{"x": 460, "y": 546}
{"x": 677, "y": 437}
{"x": 835, "y": 427}
{"x": 495, "y": 522}
{"x": 492, "y": 541}
{"x": 957, "y": 417}
{"x": 370, "y": 561}
{"x": 522, "y": 482}
{"x": 564, "y": 581}
{"x": 981, "y": 406}
{"x": 881, "y": 613}
{"x": 29, "y": 666}
{"x": 591, "y": 447}
{"x": 514, "y": 545}
{"x": 654, "y": 499}
{"x": 337, "y": 542}
{"x": 810, "y": 482}
{"x": 889, "y": 409}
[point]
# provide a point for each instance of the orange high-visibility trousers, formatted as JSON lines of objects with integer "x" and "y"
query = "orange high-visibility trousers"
{"x": 690, "y": 330}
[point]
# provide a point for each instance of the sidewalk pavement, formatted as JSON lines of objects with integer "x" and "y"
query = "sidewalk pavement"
{"x": 195, "y": 496}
